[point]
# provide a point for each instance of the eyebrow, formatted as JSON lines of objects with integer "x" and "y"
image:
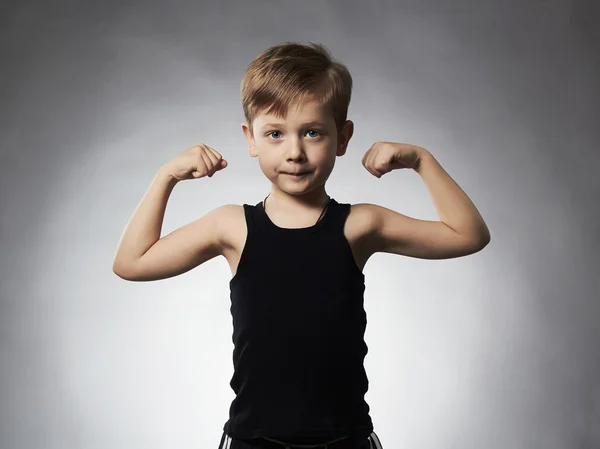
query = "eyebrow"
{"x": 314, "y": 122}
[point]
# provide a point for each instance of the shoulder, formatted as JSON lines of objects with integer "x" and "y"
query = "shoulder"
{"x": 230, "y": 222}
{"x": 230, "y": 210}
{"x": 364, "y": 211}
{"x": 367, "y": 212}
{"x": 363, "y": 218}
{"x": 228, "y": 213}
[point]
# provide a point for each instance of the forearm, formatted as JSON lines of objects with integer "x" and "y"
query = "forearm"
{"x": 453, "y": 206}
{"x": 144, "y": 227}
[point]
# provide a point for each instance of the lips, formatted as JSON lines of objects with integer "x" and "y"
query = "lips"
{"x": 296, "y": 174}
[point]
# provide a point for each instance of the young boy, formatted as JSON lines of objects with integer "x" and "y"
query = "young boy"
{"x": 297, "y": 257}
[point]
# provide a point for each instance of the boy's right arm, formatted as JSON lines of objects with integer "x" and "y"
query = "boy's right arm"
{"x": 143, "y": 256}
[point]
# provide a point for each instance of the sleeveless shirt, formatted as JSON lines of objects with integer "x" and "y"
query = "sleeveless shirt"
{"x": 298, "y": 332}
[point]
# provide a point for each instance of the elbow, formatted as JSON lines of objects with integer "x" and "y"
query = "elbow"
{"x": 127, "y": 277}
{"x": 484, "y": 240}
{"x": 122, "y": 272}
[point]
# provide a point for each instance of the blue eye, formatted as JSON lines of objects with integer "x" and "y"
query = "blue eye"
{"x": 311, "y": 130}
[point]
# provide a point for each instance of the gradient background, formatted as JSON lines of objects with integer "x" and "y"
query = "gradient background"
{"x": 496, "y": 350}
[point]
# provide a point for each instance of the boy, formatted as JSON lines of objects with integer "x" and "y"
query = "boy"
{"x": 297, "y": 257}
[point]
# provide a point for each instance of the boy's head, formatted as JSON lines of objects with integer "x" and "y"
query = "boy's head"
{"x": 284, "y": 89}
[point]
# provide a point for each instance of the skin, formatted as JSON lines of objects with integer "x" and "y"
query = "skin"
{"x": 292, "y": 147}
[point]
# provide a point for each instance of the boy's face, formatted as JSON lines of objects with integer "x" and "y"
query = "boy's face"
{"x": 297, "y": 144}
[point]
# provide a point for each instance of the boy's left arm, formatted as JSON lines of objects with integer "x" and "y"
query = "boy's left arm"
{"x": 461, "y": 230}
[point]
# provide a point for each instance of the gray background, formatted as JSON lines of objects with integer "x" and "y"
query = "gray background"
{"x": 496, "y": 350}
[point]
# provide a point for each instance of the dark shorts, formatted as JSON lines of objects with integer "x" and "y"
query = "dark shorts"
{"x": 371, "y": 442}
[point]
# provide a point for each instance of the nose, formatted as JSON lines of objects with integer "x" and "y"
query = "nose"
{"x": 295, "y": 150}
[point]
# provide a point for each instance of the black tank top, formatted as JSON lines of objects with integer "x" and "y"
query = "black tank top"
{"x": 298, "y": 332}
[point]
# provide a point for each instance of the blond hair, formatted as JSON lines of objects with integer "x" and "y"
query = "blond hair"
{"x": 293, "y": 72}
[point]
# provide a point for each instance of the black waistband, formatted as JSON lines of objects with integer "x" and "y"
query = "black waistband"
{"x": 306, "y": 443}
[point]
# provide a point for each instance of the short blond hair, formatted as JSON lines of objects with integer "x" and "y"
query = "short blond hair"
{"x": 294, "y": 72}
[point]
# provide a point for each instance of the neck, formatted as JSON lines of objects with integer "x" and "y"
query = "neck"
{"x": 312, "y": 200}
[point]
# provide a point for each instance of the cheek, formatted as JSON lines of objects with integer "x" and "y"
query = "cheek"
{"x": 329, "y": 158}
{"x": 268, "y": 166}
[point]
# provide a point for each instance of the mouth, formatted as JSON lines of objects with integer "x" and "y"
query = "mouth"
{"x": 297, "y": 174}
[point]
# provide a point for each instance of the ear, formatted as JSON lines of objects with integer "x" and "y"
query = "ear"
{"x": 249, "y": 140}
{"x": 344, "y": 137}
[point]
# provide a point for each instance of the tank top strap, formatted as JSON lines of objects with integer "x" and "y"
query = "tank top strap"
{"x": 337, "y": 217}
{"x": 339, "y": 214}
{"x": 251, "y": 218}
{"x": 257, "y": 219}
